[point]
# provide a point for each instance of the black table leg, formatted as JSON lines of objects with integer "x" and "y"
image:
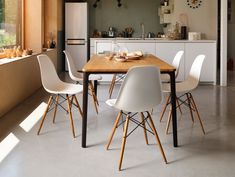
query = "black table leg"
{"x": 173, "y": 104}
{"x": 95, "y": 86}
{"x": 84, "y": 106}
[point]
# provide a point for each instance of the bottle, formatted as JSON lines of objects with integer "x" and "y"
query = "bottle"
{"x": 165, "y": 2}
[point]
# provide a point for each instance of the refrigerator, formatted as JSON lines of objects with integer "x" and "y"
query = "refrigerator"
{"x": 76, "y": 32}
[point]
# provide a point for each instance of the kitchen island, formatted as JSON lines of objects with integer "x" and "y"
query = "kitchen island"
{"x": 166, "y": 50}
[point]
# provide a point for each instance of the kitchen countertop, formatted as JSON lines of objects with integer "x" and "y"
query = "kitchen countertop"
{"x": 153, "y": 40}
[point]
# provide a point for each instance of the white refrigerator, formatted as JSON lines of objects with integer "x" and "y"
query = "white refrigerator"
{"x": 76, "y": 32}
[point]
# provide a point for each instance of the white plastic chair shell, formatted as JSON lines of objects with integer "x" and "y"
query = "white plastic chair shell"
{"x": 73, "y": 73}
{"x": 176, "y": 63}
{"x": 193, "y": 78}
{"x": 140, "y": 91}
{"x": 51, "y": 81}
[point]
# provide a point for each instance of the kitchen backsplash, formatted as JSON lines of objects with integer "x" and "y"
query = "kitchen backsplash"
{"x": 131, "y": 14}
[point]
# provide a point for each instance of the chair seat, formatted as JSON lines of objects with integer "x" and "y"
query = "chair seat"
{"x": 111, "y": 102}
{"x": 79, "y": 77}
{"x": 64, "y": 88}
{"x": 181, "y": 87}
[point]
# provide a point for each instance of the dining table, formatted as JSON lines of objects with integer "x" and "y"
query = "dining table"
{"x": 101, "y": 64}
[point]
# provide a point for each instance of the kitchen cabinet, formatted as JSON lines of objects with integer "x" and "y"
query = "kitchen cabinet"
{"x": 145, "y": 47}
{"x": 167, "y": 52}
{"x": 100, "y": 47}
{"x": 208, "y": 73}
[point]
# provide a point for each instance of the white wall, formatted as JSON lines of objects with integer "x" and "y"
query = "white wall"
{"x": 203, "y": 19}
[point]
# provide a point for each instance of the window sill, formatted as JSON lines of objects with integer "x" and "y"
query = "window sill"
{"x": 9, "y": 60}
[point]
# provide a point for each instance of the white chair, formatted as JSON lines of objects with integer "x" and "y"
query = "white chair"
{"x": 166, "y": 78}
{"x": 57, "y": 88}
{"x": 117, "y": 77}
{"x": 76, "y": 76}
{"x": 139, "y": 92}
{"x": 184, "y": 89}
{"x": 176, "y": 63}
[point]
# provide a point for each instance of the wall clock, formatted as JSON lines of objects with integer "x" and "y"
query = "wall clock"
{"x": 194, "y": 4}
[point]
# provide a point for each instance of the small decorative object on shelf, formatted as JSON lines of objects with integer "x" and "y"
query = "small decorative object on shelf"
{"x": 19, "y": 52}
{"x": 175, "y": 33}
{"x": 166, "y": 2}
{"x": 128, "y": 32}
{"x": 96, "y": 33}
{"x": 51, "y": 42}
{"x": 165, "y": 12}
{"x": 16, "y": 51}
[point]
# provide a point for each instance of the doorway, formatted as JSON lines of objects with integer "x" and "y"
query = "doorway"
{"x": 231, "y": 39}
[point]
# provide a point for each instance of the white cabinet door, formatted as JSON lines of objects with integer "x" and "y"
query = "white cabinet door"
{"x": 145, "y": 47}
{"x": 208, "y": 73}
{"x": 102, "y": 46}
{"x": 167, "y": 52}
{"x": 99, "y": 48}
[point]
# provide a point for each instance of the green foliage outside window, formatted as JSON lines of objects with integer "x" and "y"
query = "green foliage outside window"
{"x": 8, "y": 22}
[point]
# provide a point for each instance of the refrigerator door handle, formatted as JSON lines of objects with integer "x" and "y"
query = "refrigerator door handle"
{"x": 75, "y": 41}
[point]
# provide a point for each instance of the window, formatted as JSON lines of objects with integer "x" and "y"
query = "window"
{"x": 10, "y": 22}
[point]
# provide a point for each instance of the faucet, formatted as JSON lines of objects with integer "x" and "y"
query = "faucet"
{"x": 142, "y": 28}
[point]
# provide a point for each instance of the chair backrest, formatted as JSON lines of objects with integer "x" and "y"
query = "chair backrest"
{"x": 71, "y": 66}
{"x": 141, "y": 89}
{"x": 48, "y": 72}
{"x": 195, "y": 71}
{"x": 176, "y": 61}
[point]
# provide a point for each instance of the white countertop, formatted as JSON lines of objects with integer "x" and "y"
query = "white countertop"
{"x": 153, "y": 40}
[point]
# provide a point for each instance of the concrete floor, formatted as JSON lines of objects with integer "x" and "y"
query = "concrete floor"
{"x": 56, "y": 154}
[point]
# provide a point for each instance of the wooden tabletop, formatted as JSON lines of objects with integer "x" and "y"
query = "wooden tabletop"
{"x": 100, "y": 64}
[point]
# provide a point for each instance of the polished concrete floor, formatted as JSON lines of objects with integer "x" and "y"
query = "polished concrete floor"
{"x": 54, "y": 153}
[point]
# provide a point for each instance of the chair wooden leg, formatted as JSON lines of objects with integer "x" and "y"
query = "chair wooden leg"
{"x": 71, "y": 103}
{"x": 123, "y": 142}
{"x": 78, "y": 106}
{"x": 164, "y": 109}
{"x": 112, "y": 85}
{"x": 156, "y": 135}
{"x": 112, "y": 82}
{"x": 44, "y": 115}
{"x": 55, "y": 109}
{"x": 168, "y": 121}
{"x": 94, "y": 98}
{"x": 199, "y": 118}
{"x": 93, "y": 93}
{"x": 70, "y": 115}
{"x": 190, "y": 107}
{"x": 145, "y": 132}
{"x": 113, "y": 130}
